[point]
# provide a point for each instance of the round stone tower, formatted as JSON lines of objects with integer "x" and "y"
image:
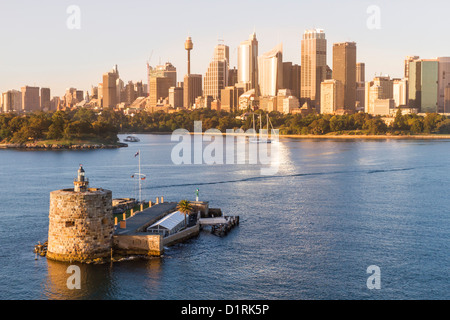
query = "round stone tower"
{"x": 81, "y": 223}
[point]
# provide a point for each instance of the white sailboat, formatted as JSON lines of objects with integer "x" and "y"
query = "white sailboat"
{"x": 260, "y": 138}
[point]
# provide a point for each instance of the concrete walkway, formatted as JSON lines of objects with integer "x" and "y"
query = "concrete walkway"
{"x": 143, "y": 219}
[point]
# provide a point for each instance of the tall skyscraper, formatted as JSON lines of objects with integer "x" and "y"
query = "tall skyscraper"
{"x": 344, "y": 70}
{"x": 409, "y": 59}
{"x": 160, "y": 79}
{"x": 45, "y": 99}
{"x": 216, "y": 77}
{"x": 270, "y": 67}
{"x": 292, "y": 78}
{"x": 248, "y": 63}
{"x": 400, "y": 92}
{"x": 30, "y": 99}
{"x": 444, "y": 84}
{"x": 110, "y": 89}
{"x": 423, "y": 85}
{"x": 360, "y": 72}
{"x": 314, "y": 65}
{"x": 12, "y": 101}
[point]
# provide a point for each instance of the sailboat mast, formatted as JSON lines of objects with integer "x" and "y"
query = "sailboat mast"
{"x": 140, "y": 189}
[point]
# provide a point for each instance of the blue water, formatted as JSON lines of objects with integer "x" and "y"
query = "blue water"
{"x": 334, "y": 208}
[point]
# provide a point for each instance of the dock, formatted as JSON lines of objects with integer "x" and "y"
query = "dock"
{"x": 220, "y": 225}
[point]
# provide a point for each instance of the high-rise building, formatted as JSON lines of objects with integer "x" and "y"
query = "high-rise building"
{"x": 216, "y": 77}
{"x": 130, "y": 93}
{"x": 444, "y": 84}
{"x": 45, "y": 99}
{"x": 409, "y": 59}
{"x": 110, "y": 89}
{"x": 332, "y": 96}
{"x": 423, "y": 85}
{"x": 192, "y": 89}
{"x": 400, "y": 92}
{"x": 292, "y": 78}
{"x": 12, "y": 101}
{"x": 232, "y": 77}
{"x": 360, "y": 72}
{"x": 381, "y": 88}
{"x": 160, "y": 79}
{"x": 248, "y": 63}
{"x": 270, "y": 68}
{"x": 176, "y": 97}
{"x": 314, "y": 66}
{"x": 230, "y": 98}
{"x": 344, "y": 70}
{"x": 30, "y": 99}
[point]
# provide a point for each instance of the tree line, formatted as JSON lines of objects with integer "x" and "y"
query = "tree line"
{"x": 86, "y": 124}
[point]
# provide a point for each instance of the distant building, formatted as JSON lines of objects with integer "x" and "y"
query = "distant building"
{"x": 344, "y": 70}
{"x": 270, "y": 67}
{"x": 176, "y": 97}
{"x": 360, "y": 72}
{"x": 12, "y": 101}
{"x": 314, "y": 66}
{"x": 379, "y": 89}
{"x": 160, "y": 79}
{"x": 45, "y": 99}
{"x": 292, "y": 78}
{"x": 30, "y": 99}
{"x": 230, "y": 98}
{"x": 408, "y": 60}
{"x": 444, "y": 84}
{"x": 216, "y": 77}
{"x": 290, "y": 104}
{"x": 332, "y": 96}
{"x": 192, "y": 89}
{"x": 400, "y": 92}
{"x": 360, "y": 86}
{"x": 110, "y": 89}
{"x": 423, "y": 85}
{"x": 248, "y": 63}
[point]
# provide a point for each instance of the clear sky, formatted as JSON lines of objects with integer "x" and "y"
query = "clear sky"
{"x": 38, "y": 48}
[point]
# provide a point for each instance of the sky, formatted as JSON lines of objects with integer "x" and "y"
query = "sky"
{"x": 39, "y": 49}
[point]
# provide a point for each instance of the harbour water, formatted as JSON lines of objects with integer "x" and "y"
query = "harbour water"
{"x": 310, "y": 231}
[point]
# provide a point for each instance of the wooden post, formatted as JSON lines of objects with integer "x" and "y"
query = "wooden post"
{"x": 132, "y": 212}
{"x": 149, "y": 204}
{"x": 115, "y": 221}
{"x": 162, "y": 199}
{"x": 124, "y": 216}
{"x": 157, "y": 200}
{"x": 142, "y": 207}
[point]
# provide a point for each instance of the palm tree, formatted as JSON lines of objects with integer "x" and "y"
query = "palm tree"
{"x": 185, "y": 207}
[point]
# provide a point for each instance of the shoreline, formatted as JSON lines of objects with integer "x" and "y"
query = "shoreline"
{"x": 326, "y": 136}
{"x": 55, "y": 146}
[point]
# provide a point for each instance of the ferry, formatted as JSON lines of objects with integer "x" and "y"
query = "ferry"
{"x": 131, "y": 139}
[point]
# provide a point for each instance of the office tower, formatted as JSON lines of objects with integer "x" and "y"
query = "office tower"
{"x": 79, "y": 95}
{"x": 444, "y": 84}
{"x": 423, "y": 85}
{"x": 314, "y": 66}
{"x": 381, "y": 88}
{"x": 290, "y": 103}
{"x": 360, "y": 72}
{"x": 344, "y": 70}
{"x": 110, "y": 89}
{"x": 332, "y": 96}
{"x": 248, "y": 63}
{"x": 130, "y": 93}
{"x": 232, "y": 77}
{"x": 12, "y": 101}
{"x": 140, "y": 90}
{"x": 192, "y": 89}
{"x": 216, "y": 77}
{"x": 45, "y": 99}
{"x": 230, "y": 98}
{"x": 160, "y": 79}
{"x": 292, "y": 78}
{"x": 30, "y": 99}
{"x": 408, "y": 60}
{"x": 400, "y": 92}
{"x": 176, "y": 97}
{"x": 270, "y": 68}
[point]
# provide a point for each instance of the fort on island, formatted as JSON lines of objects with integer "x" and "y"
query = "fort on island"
{"x": 84, "y": 226}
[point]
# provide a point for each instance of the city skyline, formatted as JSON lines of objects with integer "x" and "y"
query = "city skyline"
{"x": 63, "y": 58}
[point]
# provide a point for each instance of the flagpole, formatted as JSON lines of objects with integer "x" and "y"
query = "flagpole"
{"x": 140, "y": 191}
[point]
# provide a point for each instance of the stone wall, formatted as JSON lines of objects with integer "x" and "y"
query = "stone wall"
{"x": 81, "y": 225}
{"x": 138, "y": 244}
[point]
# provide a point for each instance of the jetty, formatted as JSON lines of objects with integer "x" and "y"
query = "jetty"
{"x": 220, "y": 226}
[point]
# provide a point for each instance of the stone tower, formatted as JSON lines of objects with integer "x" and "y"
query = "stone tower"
{"x": 81, "y": 223}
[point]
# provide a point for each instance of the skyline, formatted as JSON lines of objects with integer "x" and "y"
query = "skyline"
{"x": 122, "y": 35}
